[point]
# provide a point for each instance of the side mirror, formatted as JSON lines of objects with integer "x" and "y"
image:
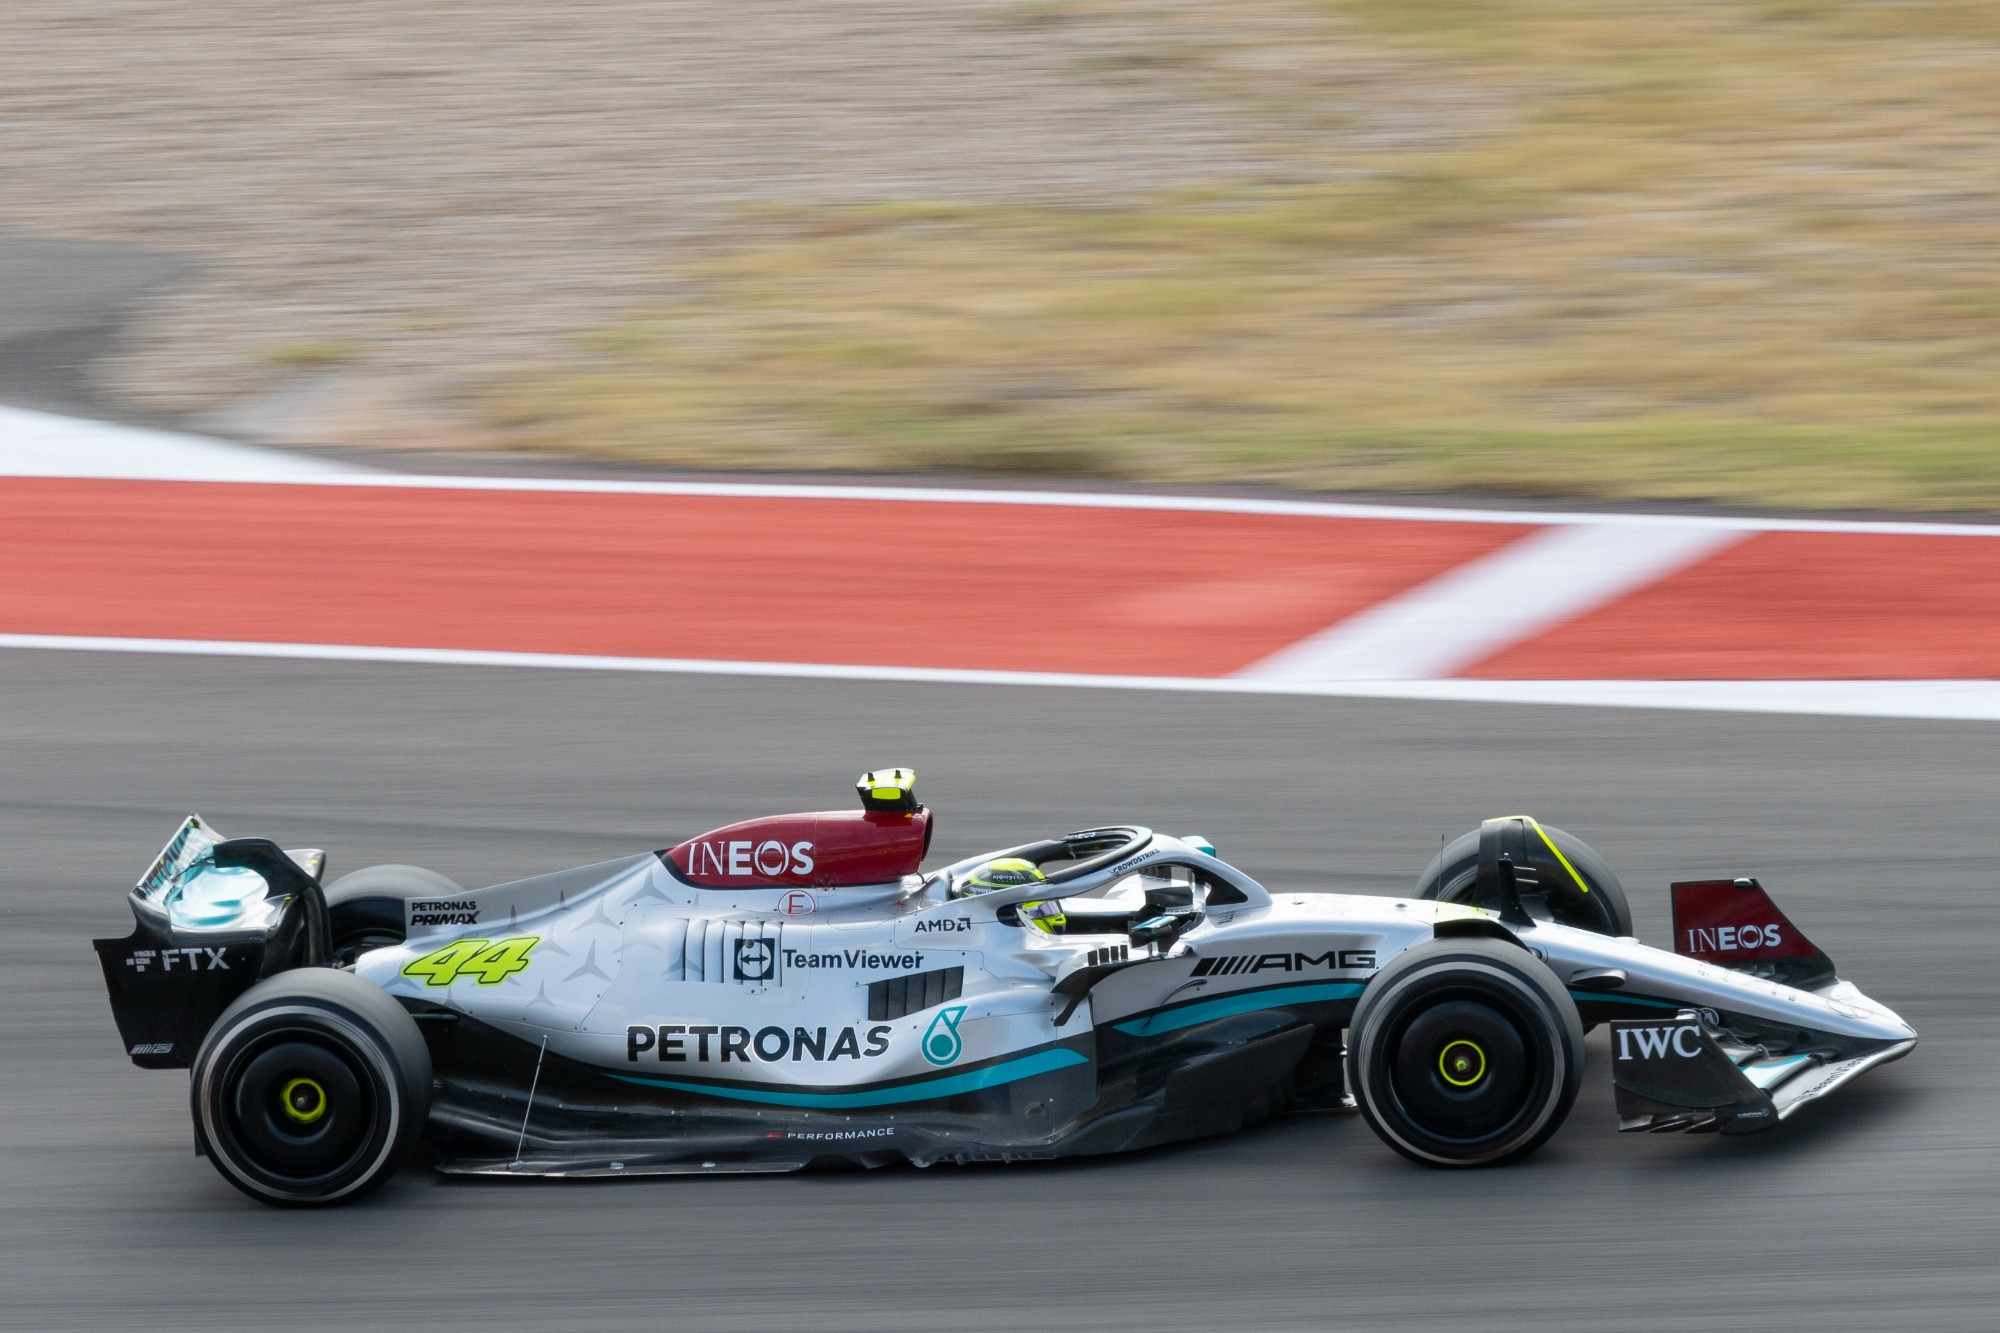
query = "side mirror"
{"x": 1162, "y": 930}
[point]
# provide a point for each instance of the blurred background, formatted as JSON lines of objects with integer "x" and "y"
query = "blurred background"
{"x": 1581, "y": 254}
{"x": 1733, "y": 250}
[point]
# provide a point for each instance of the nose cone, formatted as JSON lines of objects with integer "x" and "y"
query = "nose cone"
{"x": 1877, "y": 1020}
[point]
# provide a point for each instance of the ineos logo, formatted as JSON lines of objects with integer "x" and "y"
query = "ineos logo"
{"x": 742, "y": 857}
{"x": 1721, "y": 939}
{"x": 756, "y": 960}
{"x": 1653, "y": 1043}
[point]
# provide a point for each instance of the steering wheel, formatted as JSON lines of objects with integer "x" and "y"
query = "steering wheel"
{"x": 1093, "y": 849}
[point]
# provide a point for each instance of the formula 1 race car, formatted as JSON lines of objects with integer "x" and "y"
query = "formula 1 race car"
{"x": 795, "y": 988}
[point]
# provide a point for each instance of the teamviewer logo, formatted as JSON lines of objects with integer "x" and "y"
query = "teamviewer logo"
{"x": 757, "y": 960}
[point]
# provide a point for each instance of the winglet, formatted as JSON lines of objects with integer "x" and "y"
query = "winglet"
{"x": 1734, "y": 924}
{"x": 1671, "y": 1075}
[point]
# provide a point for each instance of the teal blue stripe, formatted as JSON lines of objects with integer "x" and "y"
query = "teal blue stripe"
{"x": 1627, "y": 999}
{"x": 1228, "y": 1006}
{"x": 1008, "y": 1071}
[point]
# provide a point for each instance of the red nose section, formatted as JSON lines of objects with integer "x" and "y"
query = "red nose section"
{"x": 825, "y": 849}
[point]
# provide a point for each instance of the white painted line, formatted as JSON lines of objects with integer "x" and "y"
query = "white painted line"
{"x": 1956, "y": 700}
{"x": 40, "y": 444}
{"x": 29, "y": 447}
{"x": 1466, "y": 614}
{"x": 1196, "y": 504}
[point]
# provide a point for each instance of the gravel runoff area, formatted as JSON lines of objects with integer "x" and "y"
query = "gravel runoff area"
{"x": 469, "y": 184}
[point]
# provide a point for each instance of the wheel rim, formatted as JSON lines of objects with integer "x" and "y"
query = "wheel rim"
{"x": 1463, "y": 1069}
{"x": 299, "y": 1109}
{"x": 304, "y": 1100}
{"x": 1462, "y": 1062}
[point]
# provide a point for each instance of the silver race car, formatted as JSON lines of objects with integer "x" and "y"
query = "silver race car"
{"x": 797, "y": 988}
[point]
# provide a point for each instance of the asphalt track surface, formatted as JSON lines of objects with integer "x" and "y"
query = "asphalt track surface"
{"x": 1876, "y": 1210}
{"x": 65, "y": 304}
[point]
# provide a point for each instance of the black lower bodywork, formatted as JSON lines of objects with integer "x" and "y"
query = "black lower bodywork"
{"x": 504, "y": 1106}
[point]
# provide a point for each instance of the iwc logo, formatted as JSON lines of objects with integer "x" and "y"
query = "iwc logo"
{"x": 941, "y": 1042}
{"x": 1652, "y": 1043}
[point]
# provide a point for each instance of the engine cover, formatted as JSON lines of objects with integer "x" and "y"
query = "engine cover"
{"x": 820, "y": 849}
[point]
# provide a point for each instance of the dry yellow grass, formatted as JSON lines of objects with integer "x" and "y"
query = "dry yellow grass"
{"x": 1740, "y": 250}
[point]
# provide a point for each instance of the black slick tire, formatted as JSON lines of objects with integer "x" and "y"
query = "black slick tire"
{"x": 1453, "y": 877}
{"x": 310, "y": 1088}
{"x": 1465, "y": 1052}
{"x": 364, "y": 909}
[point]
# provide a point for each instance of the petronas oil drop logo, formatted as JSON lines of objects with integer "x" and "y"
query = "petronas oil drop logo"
{"x": 941, "y": 1043}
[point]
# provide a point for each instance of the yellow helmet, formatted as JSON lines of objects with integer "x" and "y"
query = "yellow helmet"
{"x": 1009, "y": 872}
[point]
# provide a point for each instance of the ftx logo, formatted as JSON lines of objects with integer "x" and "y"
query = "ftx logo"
{"x": 195, "y": 958}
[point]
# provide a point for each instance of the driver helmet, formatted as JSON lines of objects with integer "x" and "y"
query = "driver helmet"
{"x": 1009, "y": 872}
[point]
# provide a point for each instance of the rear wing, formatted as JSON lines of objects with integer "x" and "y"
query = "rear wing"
{"x": 212, "y": 915}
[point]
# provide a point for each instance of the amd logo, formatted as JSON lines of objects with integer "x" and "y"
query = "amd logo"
{"x": 1726, "y": 939}
{"x": 1240, "y": 964}
{"x": 1683, "y": 1040}
{"x": 943, "y": 923}
{"x": 743, "y": 857}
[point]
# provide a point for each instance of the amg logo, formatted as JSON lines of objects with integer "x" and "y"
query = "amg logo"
{"x": 744, "y": 858}
{"x": 945, "y": 923}
{"x": 1653, "y": 1043}
{"x": 1243, "y": 964}
{"x": 770, "y": 1045}
{"x": 1724, "y": 939}
{"x": 443, "y": 912}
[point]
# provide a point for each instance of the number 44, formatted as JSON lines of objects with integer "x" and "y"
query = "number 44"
{"x": 487, "y": 962}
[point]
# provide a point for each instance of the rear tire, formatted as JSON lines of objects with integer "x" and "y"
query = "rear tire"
{"x": 1466, "y": 1052}
{"x": 1452, "y": 877}
{"x": 311, "y": 1088}
{"x": 365, "y": 909}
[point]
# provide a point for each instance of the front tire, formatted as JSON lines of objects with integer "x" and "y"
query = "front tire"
{"x": 1581, "y": 888}
{"x": 1466, "y": 1052}
{"x": 311, "y": 1088}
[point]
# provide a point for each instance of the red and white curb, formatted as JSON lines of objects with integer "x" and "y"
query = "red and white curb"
{"x": 132, "y": 540}
{"x": 1439, "y": 628}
